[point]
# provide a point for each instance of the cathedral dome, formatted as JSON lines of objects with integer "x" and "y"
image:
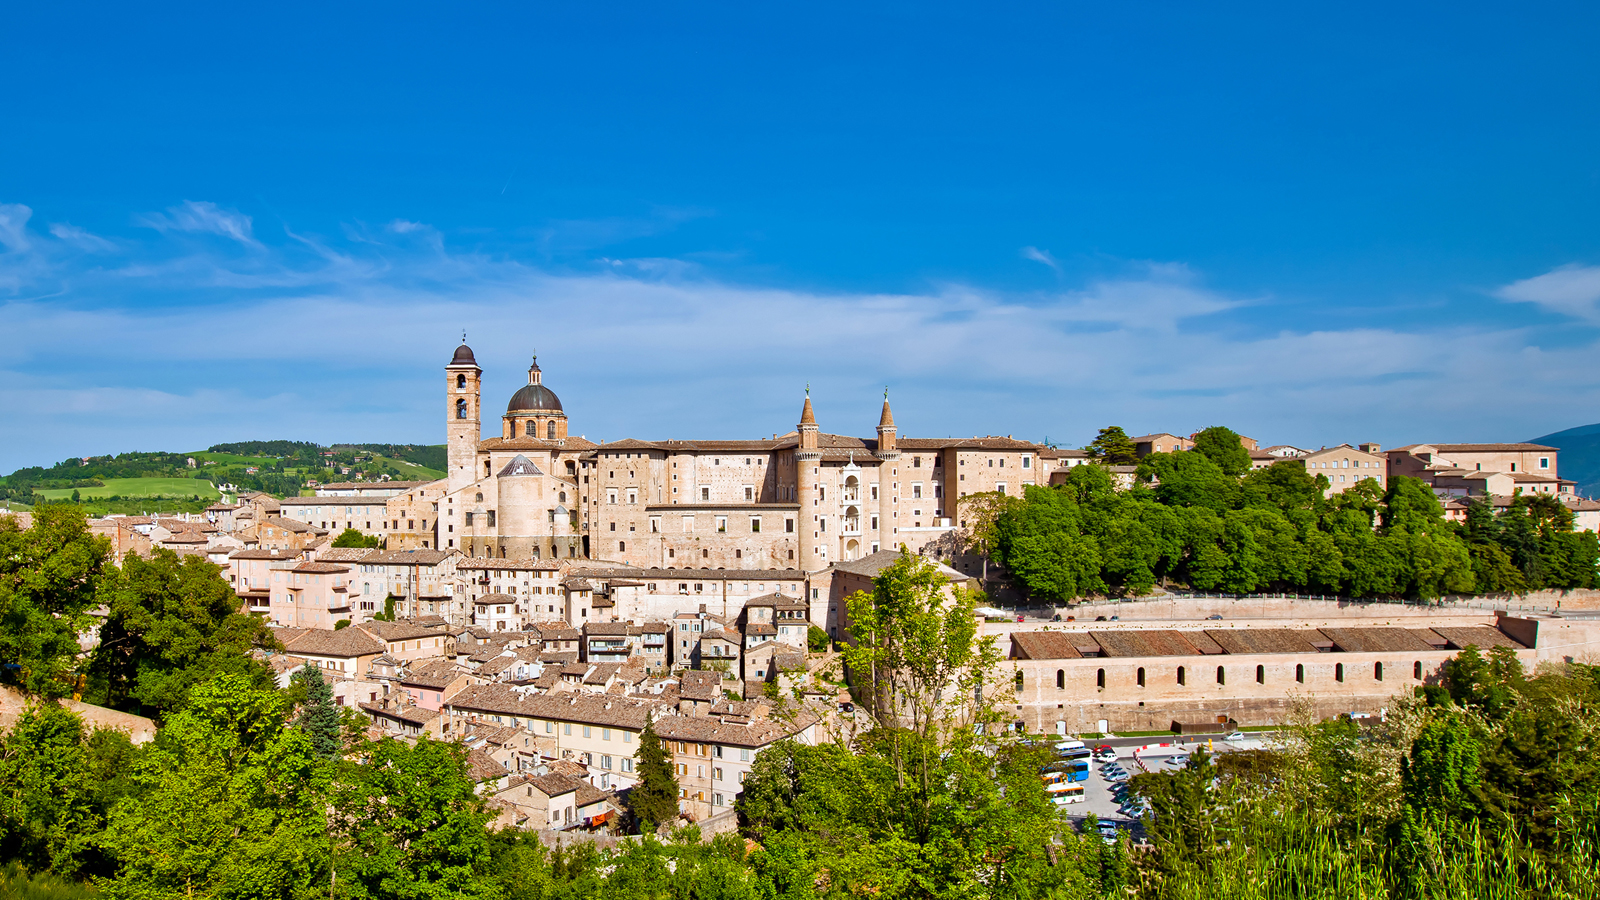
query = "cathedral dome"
{"x": 534, "y": 397}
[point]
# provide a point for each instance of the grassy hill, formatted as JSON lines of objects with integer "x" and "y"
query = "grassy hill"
{"x": 174, "y": 488}
{"x": 1580, "y": 456}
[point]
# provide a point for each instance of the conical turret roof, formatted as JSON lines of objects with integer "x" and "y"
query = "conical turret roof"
{"x": 807, "y": 417}
{"x": 887, "y": 419}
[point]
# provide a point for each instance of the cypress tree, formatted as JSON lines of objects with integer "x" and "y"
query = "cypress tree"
{"x": 318, "y": 718}
{"x": 655, "y": 798}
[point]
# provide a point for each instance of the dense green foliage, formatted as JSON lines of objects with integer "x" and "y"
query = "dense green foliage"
{"x": 1113, "y": 447}
{"x": 50, "y": 576}
{"x": 1190, "y": 522}
{"x": 1487, "y": 788}
{"x": 353, "y": 538}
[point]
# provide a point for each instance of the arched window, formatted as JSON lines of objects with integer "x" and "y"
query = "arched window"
{"x": 1416, "y": 670}
{"x": 550, "y": 430}
{"x": 1377, "y": 671}
{"x": 1181, "y": 679}
{"x": 622, "y": 546}
{"x": 1221, "y": 676}
{"x": 1061, "y": 680}
{"x": 791, "y": 554}
{"x": 1100, "y": 678}
{"x": 563, "y": 496}
{"x": 1261, "y": 674}
{"x": 1338, "y": 672}
{"x": 478, "y": 497}
{"x": 1300, "y": 674}
{"x": 461, "y": 408}
{"x": 1141, "y": 676}
{"x": 461, "y": 382}
{"x": 530, "y": 428}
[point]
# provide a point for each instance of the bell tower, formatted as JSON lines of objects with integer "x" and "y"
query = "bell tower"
{"x": 463, "y": 416}
{"x": 888, "y": 467}
{"x": 807, "y": 459}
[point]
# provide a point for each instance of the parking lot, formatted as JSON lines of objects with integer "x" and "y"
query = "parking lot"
{"x": 1098, "y": 789}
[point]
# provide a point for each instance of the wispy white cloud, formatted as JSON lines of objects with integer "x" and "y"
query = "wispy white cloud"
{"x": 1041, "y": 256}
{"x": 81, "y": 239}
{"x": 14, "y": 226}
{"x": 1571, "y": 290}
{"x": 202, "y": 217}
{"x": 344, "y": 342}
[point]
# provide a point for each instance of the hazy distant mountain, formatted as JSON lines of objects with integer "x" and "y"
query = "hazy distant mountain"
{"x": 1580, "y": 456}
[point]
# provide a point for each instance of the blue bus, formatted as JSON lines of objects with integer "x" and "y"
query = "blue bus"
{"x": 1079, "y": 770}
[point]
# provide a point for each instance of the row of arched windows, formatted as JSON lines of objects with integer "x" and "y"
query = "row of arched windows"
{"x": 1222, "y": 675}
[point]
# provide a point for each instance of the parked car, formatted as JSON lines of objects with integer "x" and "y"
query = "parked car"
{"x": 1235, "y": 737}
{"x": 1105, "y": 756}
{"x": 1214, "y": 617}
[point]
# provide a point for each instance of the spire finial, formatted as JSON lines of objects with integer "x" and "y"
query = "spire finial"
{"x": 463, "y": 335}
{"x": 808, "y": 389}
{"x": 886, "y": 393}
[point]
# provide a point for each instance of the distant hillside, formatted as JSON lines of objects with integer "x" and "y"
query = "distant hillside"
{"x": 1580, "y": 456}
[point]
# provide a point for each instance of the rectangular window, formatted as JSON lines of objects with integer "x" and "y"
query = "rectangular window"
{"x": 705, "y": 495}
{"x": 688, "y": 524}
{"x": 749, "y": 492}
{"x": 605, "y": 734}
{"x": 1027, "y": 462}
{"x": 916, "y": 490}
{"x": 722, "y": 524}
{"x": 788, "y": 526}
{"x": 567, "y": 728}
{"x": 585, "y": 731}
{"x": 1000, "y": 487}
{"x": 744, "y": 756}
{"x": 655, "y": 525}
{"x": 627, "y": 764}
{"x": 1544, "y": 462}
{"x": 874, "y": 492}
{"x": 605, "y": 762}
{"x": 755, "y": 525}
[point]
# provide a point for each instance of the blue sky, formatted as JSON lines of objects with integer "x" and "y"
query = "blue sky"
{"x": 1313, "y": 224}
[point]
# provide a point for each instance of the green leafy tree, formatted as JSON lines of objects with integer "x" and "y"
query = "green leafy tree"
{"x": 171, "y": 623}
{"x": 979, "y": 514}
{"x": 915, "y": 656}
{"x": 355, "y": 539}
{"x": 817, "y": 640}
{"x": 229, "y": 804}
{"x": 50, "y": 577}
{"x": 408, "y": 824}
{"x": 319, "y": 717}
{"x": 1113, "y": 447}
{"x": 47, "y": 809}
{"x": 654, "y": 799}
{"x": 1223, "y": 447}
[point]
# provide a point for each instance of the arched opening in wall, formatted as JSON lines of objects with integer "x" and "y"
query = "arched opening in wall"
{"x": 1019, "y": 681}
{"x": 1100, "y": 679}
{"x": 1300, "y": 674}
{"x": 1377, "y": 671}
{"x": 705, "y": 554}
{"x": 1181, "y": 678}
{"x": 1061, "y": 680}
{"x": 563, "y": 497}
{"x": 851, "y": 550}
{"x": 486, "y": 468}
{"x": 1261, "y": 674}
{"x": 1141, "y": 676}
{"x": 550, "y": 430}
{"x": 791, "y": 554}
{"x": 461, "y": 382}
{"x": 1338, "y": 672}
{"x": 1222, "y": 677}
{"x": 1416, "y": 670}
{"x": 477, "y": 498}
{"x": 530, "y": 428}
{"x": 622, "y": 546}
{"x": 461, "y": 408}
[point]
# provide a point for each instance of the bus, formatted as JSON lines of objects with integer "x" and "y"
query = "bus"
{"x": 1079, "y": 770}
{"x": 1073, "y": 750}
{"x": 1059, "y": 788}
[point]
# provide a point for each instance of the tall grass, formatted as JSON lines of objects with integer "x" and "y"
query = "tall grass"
{"x": 1276, "y": 859}
{"x": 16, "y": 883}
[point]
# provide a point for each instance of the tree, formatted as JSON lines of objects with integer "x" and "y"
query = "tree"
{"x": 654, "y": 799}
{"x": 1113, "y": 447}
{"x": 353, "y": 538}
{"x": 408, "y": 824}
{"x": 817, "y": 640}
{"x": 229, "y": 804}
{"x": 46, "y": 811}
{"x": 978, "y": 514}
{"x": 50, "y": 575}
{"x": 1223, "y": 447}
{"x": 319, "y": 717}
{"x": 172, "y": 623}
